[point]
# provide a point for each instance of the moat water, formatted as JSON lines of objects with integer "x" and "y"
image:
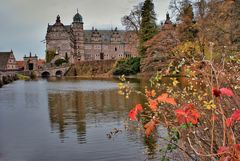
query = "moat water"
{"x": 68, "y": 120}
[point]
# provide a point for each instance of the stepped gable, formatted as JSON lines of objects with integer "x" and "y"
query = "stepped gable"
{"x": 105, "y": 35}
{"x": 4, "y": 57}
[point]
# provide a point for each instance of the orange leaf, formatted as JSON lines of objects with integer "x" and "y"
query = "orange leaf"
{"x": 153, "y": 104}
{"x": 164, "y": 98}
{"x": 171, "y": 101}
{"x": 150, "y": 93}
{"x": 153, "y": 93}
{"x": 150, "y": 126}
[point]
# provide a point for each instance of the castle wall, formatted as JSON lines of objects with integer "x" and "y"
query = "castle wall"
{"x": 87, "y": 45}
{"x": 104, "y": 51}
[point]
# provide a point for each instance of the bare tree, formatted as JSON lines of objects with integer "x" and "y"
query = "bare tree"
{"x": 176, "y": 6}
{"x": 133, "y": 20}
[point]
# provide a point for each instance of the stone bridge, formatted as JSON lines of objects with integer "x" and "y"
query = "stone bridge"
{"x": 53, "y": 71}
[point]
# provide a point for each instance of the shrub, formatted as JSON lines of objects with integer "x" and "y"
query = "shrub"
{"x": 50, "y": 54}
{"x": 59, "y": 62}
{"x": 128, "y": 66}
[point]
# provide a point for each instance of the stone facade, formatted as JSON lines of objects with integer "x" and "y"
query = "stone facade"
{"x": 30, "y": 62}
{"x": 7, "y": 61}
{"x": 87, "y": 45}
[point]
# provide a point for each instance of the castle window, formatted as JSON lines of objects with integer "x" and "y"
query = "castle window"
{"x": 97, "y": 47}
{"x": 105, "y": 47}
{"x": 115, "y": 48}
{"x": 88, "y": 47}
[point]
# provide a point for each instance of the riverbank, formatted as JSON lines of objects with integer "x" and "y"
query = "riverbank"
{"x": 7, "y": 77}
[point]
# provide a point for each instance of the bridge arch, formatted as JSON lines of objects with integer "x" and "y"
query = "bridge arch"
{"x": 45, "y": 74}
{"x": 59, "y": 73}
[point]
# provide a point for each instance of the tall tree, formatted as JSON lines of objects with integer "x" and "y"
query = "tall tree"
{"x": 148, "y": 24}
{"x": 133, "y": 20}
{"x": 148, "y": 27}
{"x": 223, "y": 23}
{"x": 186, "y": 26}
{"x": 200, "y": 15}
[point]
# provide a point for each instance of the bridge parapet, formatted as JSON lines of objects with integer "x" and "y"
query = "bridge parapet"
{"x": 53, "y": 71}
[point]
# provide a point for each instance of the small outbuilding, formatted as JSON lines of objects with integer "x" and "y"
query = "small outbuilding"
{"x": 7, "y": 61}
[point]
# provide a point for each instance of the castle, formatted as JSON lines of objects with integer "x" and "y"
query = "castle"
{"x": 87, "y": 45}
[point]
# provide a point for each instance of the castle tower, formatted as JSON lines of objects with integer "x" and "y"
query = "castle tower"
{"x": 60, "y": 41}
{"x": 77, "y": 28}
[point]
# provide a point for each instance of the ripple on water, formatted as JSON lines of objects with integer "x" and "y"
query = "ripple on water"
{"x": 84, "y": 85}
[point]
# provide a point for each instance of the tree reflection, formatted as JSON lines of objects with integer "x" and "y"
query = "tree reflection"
{"x": 71, "y": 111}
{"x": 67, "y": 113}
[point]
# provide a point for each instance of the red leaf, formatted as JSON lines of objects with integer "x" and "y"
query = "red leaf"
{"x": 214, "y": 117}
{"x": 237, "y": 147}
{"x": 164, "y": 98}
{"x": 139, "y": 108}
{"x": 226, "y": 158}
{"x": 153, "y": 104}
{"x": 226, "y": 91}
{"x": 187, "y": 115}
{"x": 150, "y": 126}
{"x": 181, "y": 116}
{"x": 236, "y": 115}
{"x": 132, "y": 114}
{"x": 229, "y": 122}
{"x": 231, "y": 153}
{"x": 222, "y": 150}
{"x": 216, "y": 92}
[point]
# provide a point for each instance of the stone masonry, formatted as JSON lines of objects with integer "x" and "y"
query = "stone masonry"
{"x": 88, "y": 45}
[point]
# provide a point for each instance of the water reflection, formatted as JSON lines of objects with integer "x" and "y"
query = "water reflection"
{"x": 72, "y": 111}
{"x": 68, "y": 120}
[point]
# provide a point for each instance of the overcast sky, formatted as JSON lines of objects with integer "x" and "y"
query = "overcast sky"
{"x": 23, "y": 23}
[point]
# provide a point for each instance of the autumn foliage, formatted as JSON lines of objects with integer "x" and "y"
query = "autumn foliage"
{"x": 188, "y": 114}
{"x": 133, "y": 113}
{"x": 205, "y": 120}
{"x": 200, "y": 108}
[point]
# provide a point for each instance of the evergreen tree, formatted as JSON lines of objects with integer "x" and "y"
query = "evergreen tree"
{"x": 148, "y": 26}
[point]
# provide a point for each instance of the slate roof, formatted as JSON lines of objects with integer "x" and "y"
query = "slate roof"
{"x": 4, "y": 56}
{"x": 67, "y": 28}
{"x": 105, "y": 34}
{"x": 20, "y": 64}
